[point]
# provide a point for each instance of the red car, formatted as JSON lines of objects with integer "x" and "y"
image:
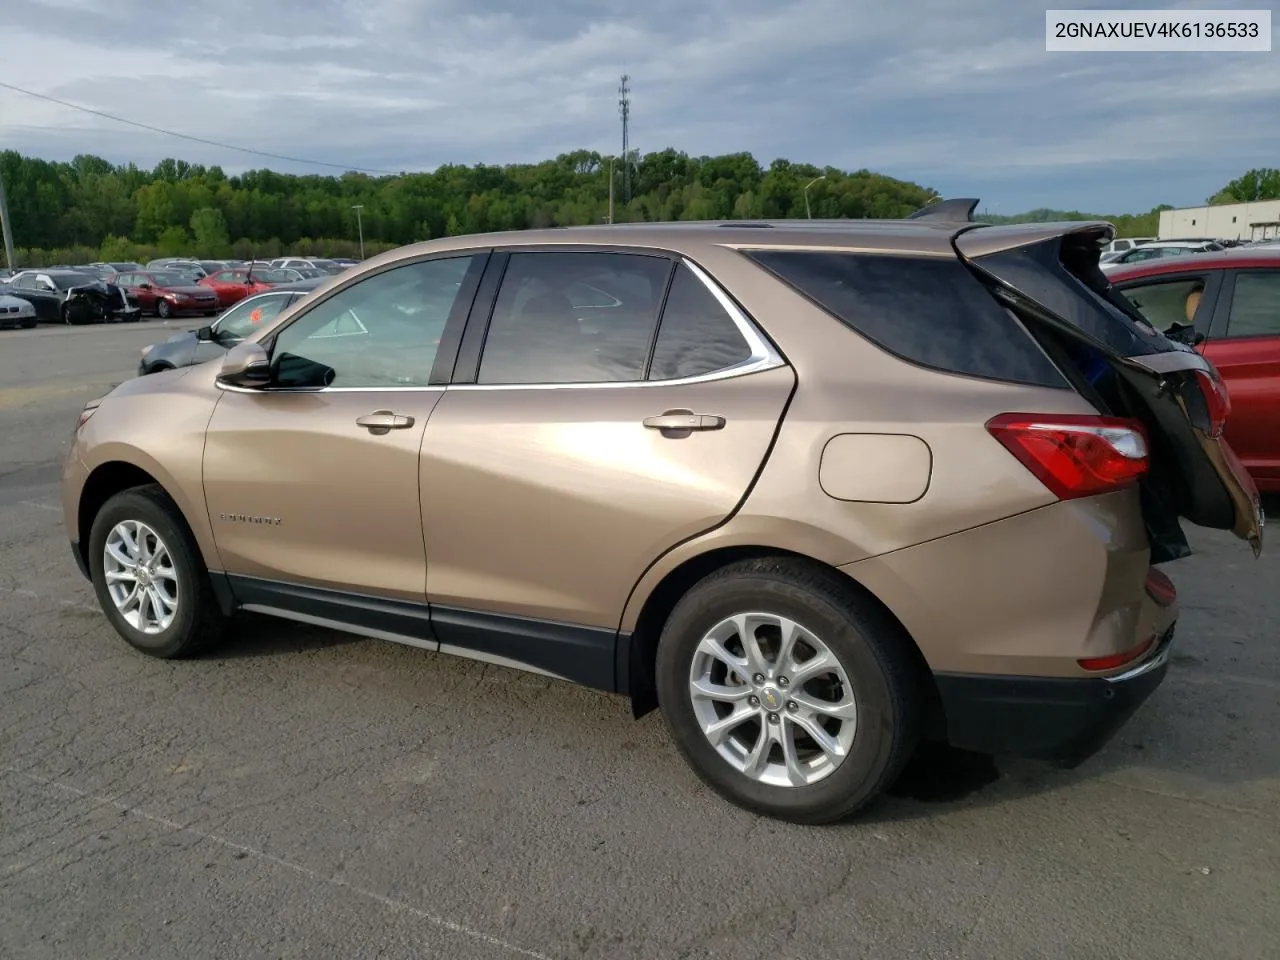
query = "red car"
{"x": 1229, "y": 302}
{"x": 232, "y": 286}
{"x": 166, "y": 293}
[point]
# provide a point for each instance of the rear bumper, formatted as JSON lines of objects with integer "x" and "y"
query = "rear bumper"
{"x": 1060, "y": 719}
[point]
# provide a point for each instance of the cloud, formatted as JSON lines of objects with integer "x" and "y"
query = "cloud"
{"x": 962, "y": 97}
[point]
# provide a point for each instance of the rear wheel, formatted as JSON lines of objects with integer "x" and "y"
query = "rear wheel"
{"x": 787, "y": 691}
{"x": 149, "y": 577}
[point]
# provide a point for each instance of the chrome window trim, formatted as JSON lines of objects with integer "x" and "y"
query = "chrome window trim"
{"x": 763, "y": 356}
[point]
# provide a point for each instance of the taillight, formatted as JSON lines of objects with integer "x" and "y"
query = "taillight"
{"x": 1075, "y": 455}
{"x": 1216, "y": 399}
{"x": 1114, "y": 660}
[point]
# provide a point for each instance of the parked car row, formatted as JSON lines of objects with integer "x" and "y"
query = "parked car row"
{"x": 126, "y": 291}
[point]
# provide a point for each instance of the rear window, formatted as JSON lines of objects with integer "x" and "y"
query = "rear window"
{"x": 925, "y": 310}
{"x": 1062, "y": 277}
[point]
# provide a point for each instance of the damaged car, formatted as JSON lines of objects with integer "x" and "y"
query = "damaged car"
{"x": 817, "y": 491}
{"x": 72, "y": 297}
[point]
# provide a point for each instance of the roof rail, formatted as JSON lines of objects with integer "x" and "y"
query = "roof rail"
{"x": 959, "y": 210}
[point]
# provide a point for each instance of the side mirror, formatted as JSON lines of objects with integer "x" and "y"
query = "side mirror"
{"x": 245, "y": 365}
{"x": 205, "y": 333}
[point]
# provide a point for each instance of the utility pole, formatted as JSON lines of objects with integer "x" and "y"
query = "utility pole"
{"x": 4, "y": 226}
{"x": 610, "y": 220}
{"x": 624, "y": 111}
{"x": 357, "y": 207}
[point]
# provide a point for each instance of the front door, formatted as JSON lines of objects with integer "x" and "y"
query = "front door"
{"x": 313, "y": 480}
{"x": 1246, "y": 351}
{"x": 586, "y": 447}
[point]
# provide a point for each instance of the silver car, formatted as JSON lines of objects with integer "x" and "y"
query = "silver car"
{"x": 16, "y": 312}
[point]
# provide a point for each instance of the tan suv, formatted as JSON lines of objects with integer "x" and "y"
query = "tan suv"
{"x": 815, "y": 489}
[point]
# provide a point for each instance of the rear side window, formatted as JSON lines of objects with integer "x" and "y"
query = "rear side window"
{"x": 1255, "y": 306}
{"x": 697, "y": 336}
{"x": 929, "y": 311}
{"x": 573, "y": 318}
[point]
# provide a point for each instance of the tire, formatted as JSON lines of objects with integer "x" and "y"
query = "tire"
{"x": 162, "y": 309}
{"x": 873, "y": 654}
{"x": 29, "y": 324}
{"x": 197, "y": 620}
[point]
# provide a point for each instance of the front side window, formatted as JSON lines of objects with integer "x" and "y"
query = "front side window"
{"x": 573, "y": 318}
{"x": 1255, "y": 306}
{"x": 381, "y": 332}
{"x": 1165, "y": 303}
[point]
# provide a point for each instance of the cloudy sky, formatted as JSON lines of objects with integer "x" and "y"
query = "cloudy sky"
{"x": 959, "y": 95}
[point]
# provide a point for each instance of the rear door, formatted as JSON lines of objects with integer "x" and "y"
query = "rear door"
{"x": 580, "y": 440}
{"x": 1245, "y": 347}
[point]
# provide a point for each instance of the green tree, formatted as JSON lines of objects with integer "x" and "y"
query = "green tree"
{"x": 209, "y": 232}
{"x": 1262, "y": 183}
{"x": 174, "y": 242}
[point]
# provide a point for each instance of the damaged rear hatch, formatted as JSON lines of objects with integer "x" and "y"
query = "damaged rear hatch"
{"x": 1048, "y": 275}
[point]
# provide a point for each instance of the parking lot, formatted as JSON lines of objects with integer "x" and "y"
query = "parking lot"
{"x": 303, "y": 794}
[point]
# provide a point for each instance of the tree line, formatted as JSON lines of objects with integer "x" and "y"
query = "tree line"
{"x": 89, "y": 209}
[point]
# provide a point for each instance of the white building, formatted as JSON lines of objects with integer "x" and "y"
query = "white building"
{"x": 1231, "y": 221}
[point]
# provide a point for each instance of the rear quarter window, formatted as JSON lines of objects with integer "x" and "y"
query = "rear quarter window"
{"x": 926, "y": 310}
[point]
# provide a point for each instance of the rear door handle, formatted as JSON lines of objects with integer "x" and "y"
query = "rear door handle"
{"x": 382, "y": 421}
{"x": 682, "y": 421}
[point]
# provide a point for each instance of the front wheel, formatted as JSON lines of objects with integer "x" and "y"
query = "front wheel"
{"x": 149, "y": 577}
{"x": 787, "y": 691}
{"x": 162, "y": 309}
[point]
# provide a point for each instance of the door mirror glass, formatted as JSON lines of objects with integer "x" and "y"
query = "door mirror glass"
{"x": 245, "y": 365}
{"x": 205, "y": 333}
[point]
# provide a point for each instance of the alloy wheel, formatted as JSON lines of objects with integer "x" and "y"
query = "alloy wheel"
{"x": 773, "y": 699}
{"x": 140, "y": 577}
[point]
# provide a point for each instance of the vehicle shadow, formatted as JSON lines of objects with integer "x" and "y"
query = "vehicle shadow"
{"x": 251, "y": 635}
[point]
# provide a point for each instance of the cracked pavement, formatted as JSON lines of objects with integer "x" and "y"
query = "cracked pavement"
{"x": 301, "y": 794}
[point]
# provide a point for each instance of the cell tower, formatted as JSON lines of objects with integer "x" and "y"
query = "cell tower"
{"x": 624, "y": 111}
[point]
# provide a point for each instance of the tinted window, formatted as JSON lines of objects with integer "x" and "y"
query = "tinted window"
{"x": 573, "y": 318}
{"x": 697, "y": 336}
{"x": 1255, "y": 307}
{"x": 248, "y": 316}
{"x": 381, "y": 332}
{"x": 929, "y": 311}
{"x": 65, "y": 281}
{"x": 1167, "y": 303}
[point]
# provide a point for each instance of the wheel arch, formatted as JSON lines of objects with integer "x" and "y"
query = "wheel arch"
{"x": 117, "y": 473}
{"x": 657, "y": 605}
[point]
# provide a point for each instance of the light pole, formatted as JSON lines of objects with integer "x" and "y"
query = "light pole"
{"x": 807, "y": 212}
{"x": 357, "y": 207}
{"x": 5, "y": 229}
{"x": 610, "y": 220}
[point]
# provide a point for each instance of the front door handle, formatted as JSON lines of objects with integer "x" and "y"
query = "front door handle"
{"x": 382, "y": 421}
{"x": 681, "y": 422}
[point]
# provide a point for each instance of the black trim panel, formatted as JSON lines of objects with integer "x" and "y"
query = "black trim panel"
{"x": 591, "y": 656}
{"x": 584, "y": 655}
{"x": 1060, "y": 719}
{"x": 402, "y": 617}
{"x": 467, "y": 362}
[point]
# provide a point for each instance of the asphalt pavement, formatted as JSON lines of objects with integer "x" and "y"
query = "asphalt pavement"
{"x": 306, "y": 794}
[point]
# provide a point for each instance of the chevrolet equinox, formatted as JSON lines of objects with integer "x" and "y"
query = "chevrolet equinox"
{"x": 816, "y": 490}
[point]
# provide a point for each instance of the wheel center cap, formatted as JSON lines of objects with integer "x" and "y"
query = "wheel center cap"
{"x": 771, "y": 698}
{"x": 144, "y": 577}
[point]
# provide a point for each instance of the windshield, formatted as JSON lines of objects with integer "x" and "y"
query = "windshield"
{"x": 275, "y": 276}
{"x": 170, "y": 278}
{"x": 65, "y": 281}
{"x": 249, "y": 315}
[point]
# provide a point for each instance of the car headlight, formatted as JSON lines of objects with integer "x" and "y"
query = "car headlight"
{"x": 147, "y": 349}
